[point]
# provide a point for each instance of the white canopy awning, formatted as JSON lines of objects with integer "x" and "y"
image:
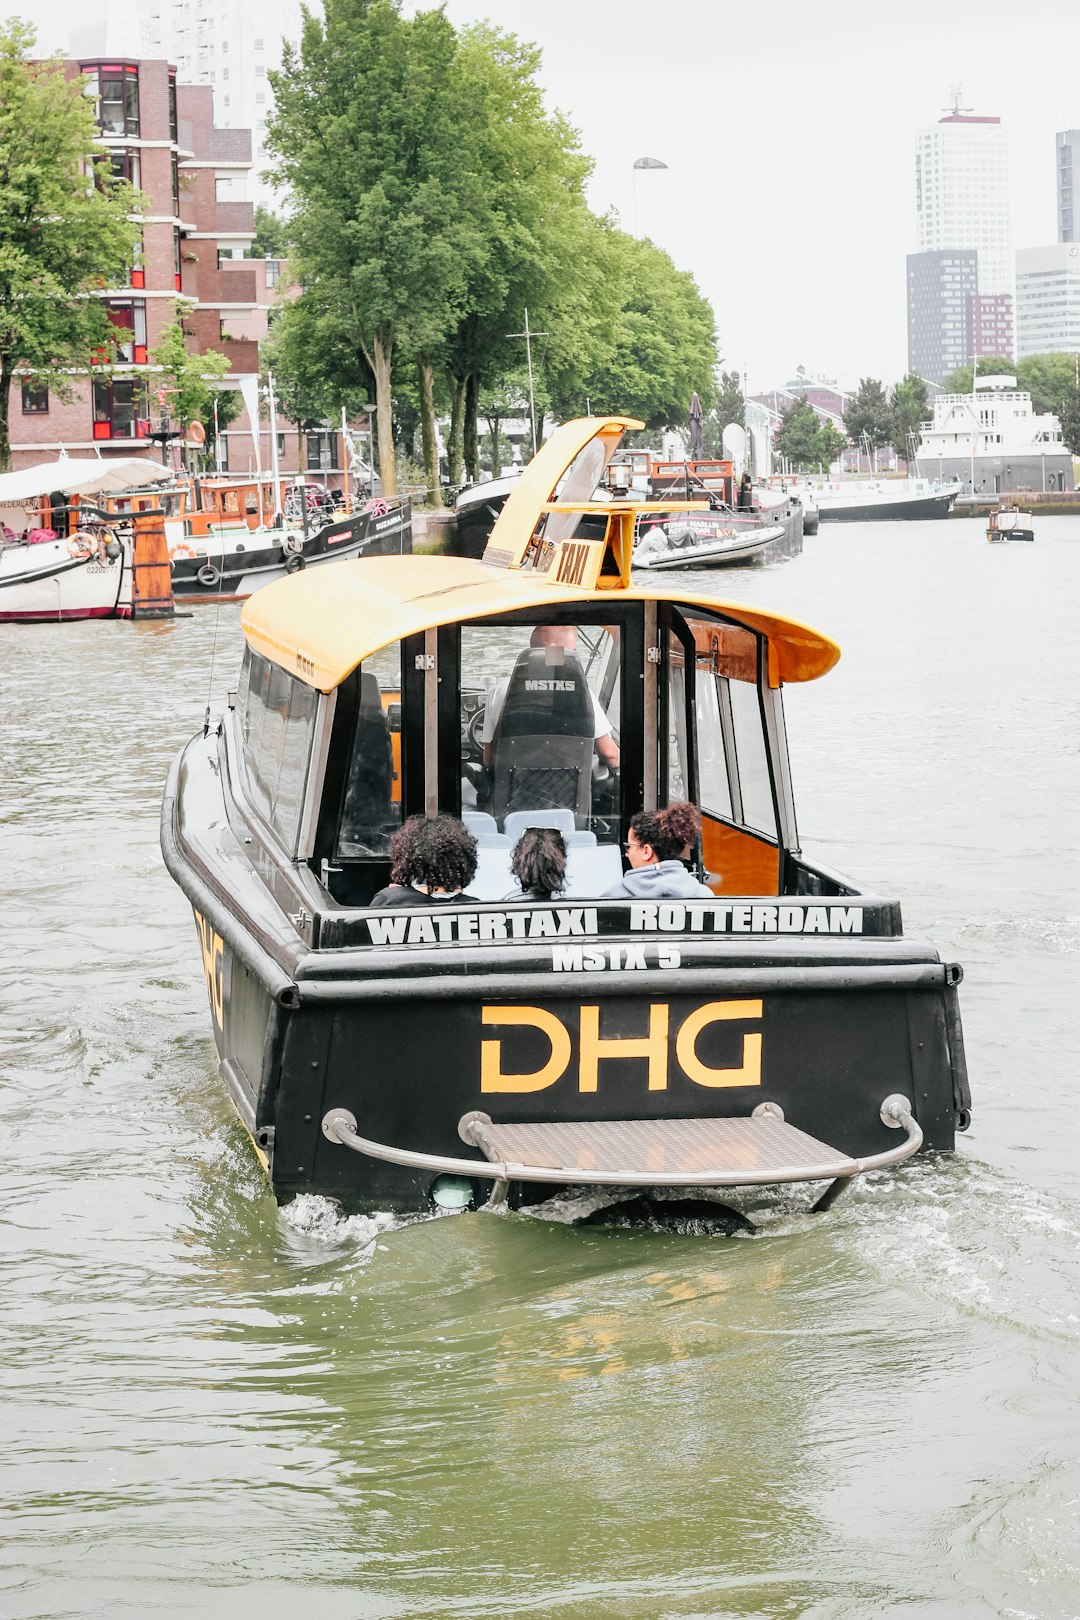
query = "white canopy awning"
{"x": 80, "y": 475}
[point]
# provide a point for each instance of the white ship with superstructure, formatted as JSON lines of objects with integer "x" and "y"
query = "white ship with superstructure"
{"x": 993, "y": 440}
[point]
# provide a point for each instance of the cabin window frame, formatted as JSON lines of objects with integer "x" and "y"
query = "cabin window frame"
{"x": 772, "y": 707}
{"x": 784, "y": 835}
{"x": 672, "y": 623}
{"x": 321, "y": 847}
{"x": 286, "y": 838}
{"x": 628, "y": 616}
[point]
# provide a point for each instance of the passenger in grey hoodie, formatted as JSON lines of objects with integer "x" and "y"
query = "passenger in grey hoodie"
{"x": 657, "y": 840}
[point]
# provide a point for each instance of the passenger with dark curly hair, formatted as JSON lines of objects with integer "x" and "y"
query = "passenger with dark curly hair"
{"x": 539, "y": 864}
{"x": 659, "y": 841}
{"x": 431, "y": 860}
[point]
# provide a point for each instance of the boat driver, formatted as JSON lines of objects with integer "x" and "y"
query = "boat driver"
{"x": 556, "y": 637}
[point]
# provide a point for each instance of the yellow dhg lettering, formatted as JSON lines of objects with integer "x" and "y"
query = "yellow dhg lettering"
{"x": 749, "y": 1071}
{"x": 654, "y": 1047}
{"x": 213, "y": 956}
{"x": 492, "y": 1077}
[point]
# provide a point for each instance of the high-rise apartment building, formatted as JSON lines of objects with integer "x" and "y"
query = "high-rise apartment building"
{"x": 941, "y": 294}
{"x": 1068, "y": 185}
{"x": 962, "y": 207}
{"x": 1048, "y": 300}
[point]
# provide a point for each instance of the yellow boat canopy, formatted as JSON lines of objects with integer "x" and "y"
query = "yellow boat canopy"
{"x": 322, "y": 623}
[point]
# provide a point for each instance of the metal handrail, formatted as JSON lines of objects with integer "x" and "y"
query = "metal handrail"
{"x": 339, "y": 1125}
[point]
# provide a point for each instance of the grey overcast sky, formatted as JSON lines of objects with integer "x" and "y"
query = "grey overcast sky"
{"x": 788, "y": 130}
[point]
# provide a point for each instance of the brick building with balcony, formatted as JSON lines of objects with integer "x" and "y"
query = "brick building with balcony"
{"x": 161, "y": 136}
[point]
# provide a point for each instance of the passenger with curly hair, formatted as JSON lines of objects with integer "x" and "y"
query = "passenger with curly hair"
{"x": 431, "y": 860}
{"x": 539, "y": 864}
{"x": 659, "y": 841}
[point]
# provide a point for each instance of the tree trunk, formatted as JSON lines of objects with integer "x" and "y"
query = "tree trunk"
{"x": 428, "y": 434}
{"x": 455, "y": 449}
{"x": 472, "y": 443}
{"x": 494, "y": 424}
{"x": 539, "y": 430}
{"x": 5, "y": 401}
{"x": 384, "y": 406}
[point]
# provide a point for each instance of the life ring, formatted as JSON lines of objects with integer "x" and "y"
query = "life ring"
{"x": 292, "y": 545}
{"x": 294, "y": 562}
{"x": 181, "y": 551}
{"x": 208, "y": 575}
{"x": 80, "y": 547}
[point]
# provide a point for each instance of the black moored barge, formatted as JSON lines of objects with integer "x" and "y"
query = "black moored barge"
{"x": 778, "y": 1028}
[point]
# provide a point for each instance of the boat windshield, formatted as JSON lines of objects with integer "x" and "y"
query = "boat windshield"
{"x": 540, "y": 722}
{"x": 578, "y": 483}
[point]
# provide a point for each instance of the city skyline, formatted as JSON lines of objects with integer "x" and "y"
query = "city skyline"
{"x": 789, "y": 191}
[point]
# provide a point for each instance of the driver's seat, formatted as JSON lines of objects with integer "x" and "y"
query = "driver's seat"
{"x": 542, "y": 749}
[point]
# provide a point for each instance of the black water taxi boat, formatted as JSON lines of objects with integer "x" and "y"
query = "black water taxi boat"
{"x": 778, "y": 1028}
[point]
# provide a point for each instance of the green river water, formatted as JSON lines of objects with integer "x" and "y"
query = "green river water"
{"x": 213, "y": 1407}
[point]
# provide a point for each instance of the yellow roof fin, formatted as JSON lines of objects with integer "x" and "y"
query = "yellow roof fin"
{"x": 537, "y": 527}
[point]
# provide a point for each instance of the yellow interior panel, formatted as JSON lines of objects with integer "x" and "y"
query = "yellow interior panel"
{"x": 746, "y": 864}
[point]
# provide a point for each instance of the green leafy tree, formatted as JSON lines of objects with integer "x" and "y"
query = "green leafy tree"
{"x": 508, "y": 398}
{"x": 190, "y": 384}
{"x": 664, "y": 345}
{"x": 1048, "y": 378}
{"x": 909, "y": 410}
{"x": 364, "y": 136}
{"x": 869, "y": 413}
{"x": 831, "y": 443}
{"x": 271, "y": 235}
{"x": 62, "y": 239}
{"x": 532, "y": 236}
{"x": 189, "y": 378}
{"x": 730, "y": 408}
{"x": 804, "y": 440}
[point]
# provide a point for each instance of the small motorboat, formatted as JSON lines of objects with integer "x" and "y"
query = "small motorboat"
{"x": 708, "y": 540}
{"x": 1009, "y": 523}
{"x": 774, "y": 1026}
{"x": 710, "y": 485}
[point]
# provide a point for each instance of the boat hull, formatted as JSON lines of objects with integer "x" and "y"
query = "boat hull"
{"x": 917, "y": 507}
{"x": 46, "y": 584}
{"x": 240, "y": 563}
{"x": 570, "y": 1012}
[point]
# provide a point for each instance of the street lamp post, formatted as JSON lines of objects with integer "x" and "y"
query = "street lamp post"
{"x": 643, "y": 163}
